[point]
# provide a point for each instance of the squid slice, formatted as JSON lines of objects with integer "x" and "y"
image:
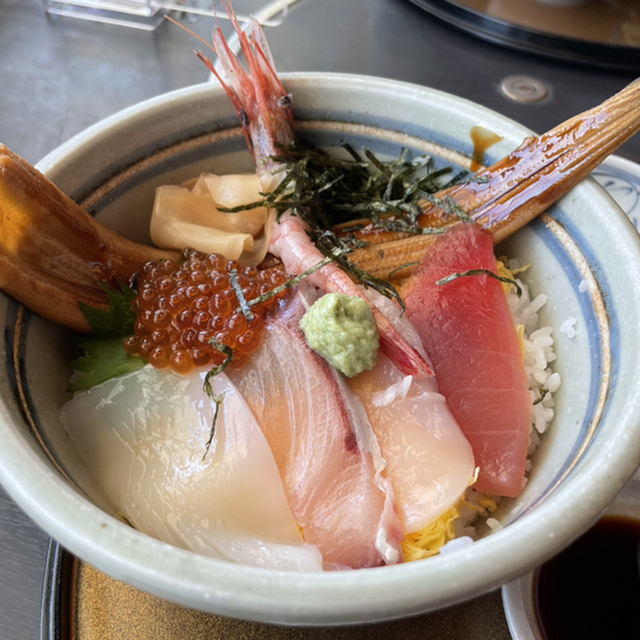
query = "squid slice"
{"x": 144, "y": 439}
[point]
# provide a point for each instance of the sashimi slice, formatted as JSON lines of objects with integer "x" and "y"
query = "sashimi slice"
{"x": 468, "y": 332}
{"x": 143, "y": 437}
{"x": 429, "y": 461}
{"x": 323, "y": 444}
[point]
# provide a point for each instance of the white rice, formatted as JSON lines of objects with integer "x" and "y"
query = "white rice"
{"x": 538, "y": 356}
{"x": 494, "y": 524}
{"x": 568, "y": 327}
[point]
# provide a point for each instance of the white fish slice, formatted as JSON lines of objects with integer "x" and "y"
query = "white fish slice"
{"x": 143, "y": 437}
{"x": 429, "y": 461}
{"x": 323, "y": 443}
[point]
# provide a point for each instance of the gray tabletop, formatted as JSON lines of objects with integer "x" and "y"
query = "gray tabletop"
{"x": 59, "y": 75}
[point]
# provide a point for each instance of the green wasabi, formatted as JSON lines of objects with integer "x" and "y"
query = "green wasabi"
{"x": 342, "y": 330}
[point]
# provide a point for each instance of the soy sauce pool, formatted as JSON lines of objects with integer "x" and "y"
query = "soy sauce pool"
{"x": 592, "y": 588}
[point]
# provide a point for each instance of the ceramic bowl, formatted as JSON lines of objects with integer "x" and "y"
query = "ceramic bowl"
{"x": 586, "y": 457}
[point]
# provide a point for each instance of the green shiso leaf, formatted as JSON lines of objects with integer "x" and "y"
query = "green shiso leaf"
{"x": 104, "y": 355}
{"x": 104, "y": 359}
{"x": 119, "y": 319}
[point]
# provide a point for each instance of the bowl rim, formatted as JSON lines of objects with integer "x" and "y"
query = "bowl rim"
{"x": 516, "y": 599}
{"x": 274, "y": 596}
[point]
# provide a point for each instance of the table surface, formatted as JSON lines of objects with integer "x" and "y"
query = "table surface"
{"x": 60, "y": 75}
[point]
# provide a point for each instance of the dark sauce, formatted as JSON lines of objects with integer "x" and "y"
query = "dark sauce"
{"x": 592, "y": 588}
{"x": 482, "y": 139}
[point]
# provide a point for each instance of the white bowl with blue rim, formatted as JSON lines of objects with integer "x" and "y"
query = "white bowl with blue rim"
{"x": 621, "y": 178}
{"x": 590, "y": 451}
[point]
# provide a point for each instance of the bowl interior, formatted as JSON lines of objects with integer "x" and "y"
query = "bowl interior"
{"x": 591, "y": 449}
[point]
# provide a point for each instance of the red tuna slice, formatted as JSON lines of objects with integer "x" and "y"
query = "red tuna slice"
{"x": 469, "y": 334}
{"x": 323, "y": 444}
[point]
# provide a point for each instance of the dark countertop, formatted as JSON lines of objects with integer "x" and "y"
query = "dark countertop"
{"x": 59, "y": 75}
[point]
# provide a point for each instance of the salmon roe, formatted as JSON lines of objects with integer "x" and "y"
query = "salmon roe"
{"x": 181, "y": 306}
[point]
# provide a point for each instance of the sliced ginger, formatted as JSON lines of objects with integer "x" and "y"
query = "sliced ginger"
{"x": 54, "y": 255}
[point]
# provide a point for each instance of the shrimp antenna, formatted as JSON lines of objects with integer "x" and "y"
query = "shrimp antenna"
{"x": 193, "y": 33}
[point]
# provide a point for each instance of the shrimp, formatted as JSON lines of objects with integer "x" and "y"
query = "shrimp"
{"x": 292, "y": 245}
{"x": 262, "y": 103}
{"x": 264, "y": 110}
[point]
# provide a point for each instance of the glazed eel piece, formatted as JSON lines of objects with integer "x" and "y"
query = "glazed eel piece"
{"x": 53, "y": 254}
{"x": 517, "y": 188}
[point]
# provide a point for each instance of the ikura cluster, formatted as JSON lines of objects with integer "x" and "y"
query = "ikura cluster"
{"x": 180, "y": 307}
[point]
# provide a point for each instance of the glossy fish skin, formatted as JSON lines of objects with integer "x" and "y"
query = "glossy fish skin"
{"x": 323, "y": 444}
{"x": 518, "y": 187}
{"x": 143, "y": 438}
{"x": 468, "y": 332}
{"x": 53, "y": 254}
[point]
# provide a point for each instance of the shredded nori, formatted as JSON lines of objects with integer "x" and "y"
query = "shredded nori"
{"x": 228, "y": 351}
{"x": 244, "y": 306}
{"x": 288, "y": 284}
{"x": 400, "y": 268}
{"x": 481, "y": 272}
{"x": 450, "y": 206}
{"x": 326, "y": 191}
{"x": 218, "y": 400}
{"x": 336, "y": 190}
{"x": 543, "y": 392}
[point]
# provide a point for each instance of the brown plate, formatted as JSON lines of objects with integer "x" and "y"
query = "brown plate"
{"x": 81, "y": 603}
